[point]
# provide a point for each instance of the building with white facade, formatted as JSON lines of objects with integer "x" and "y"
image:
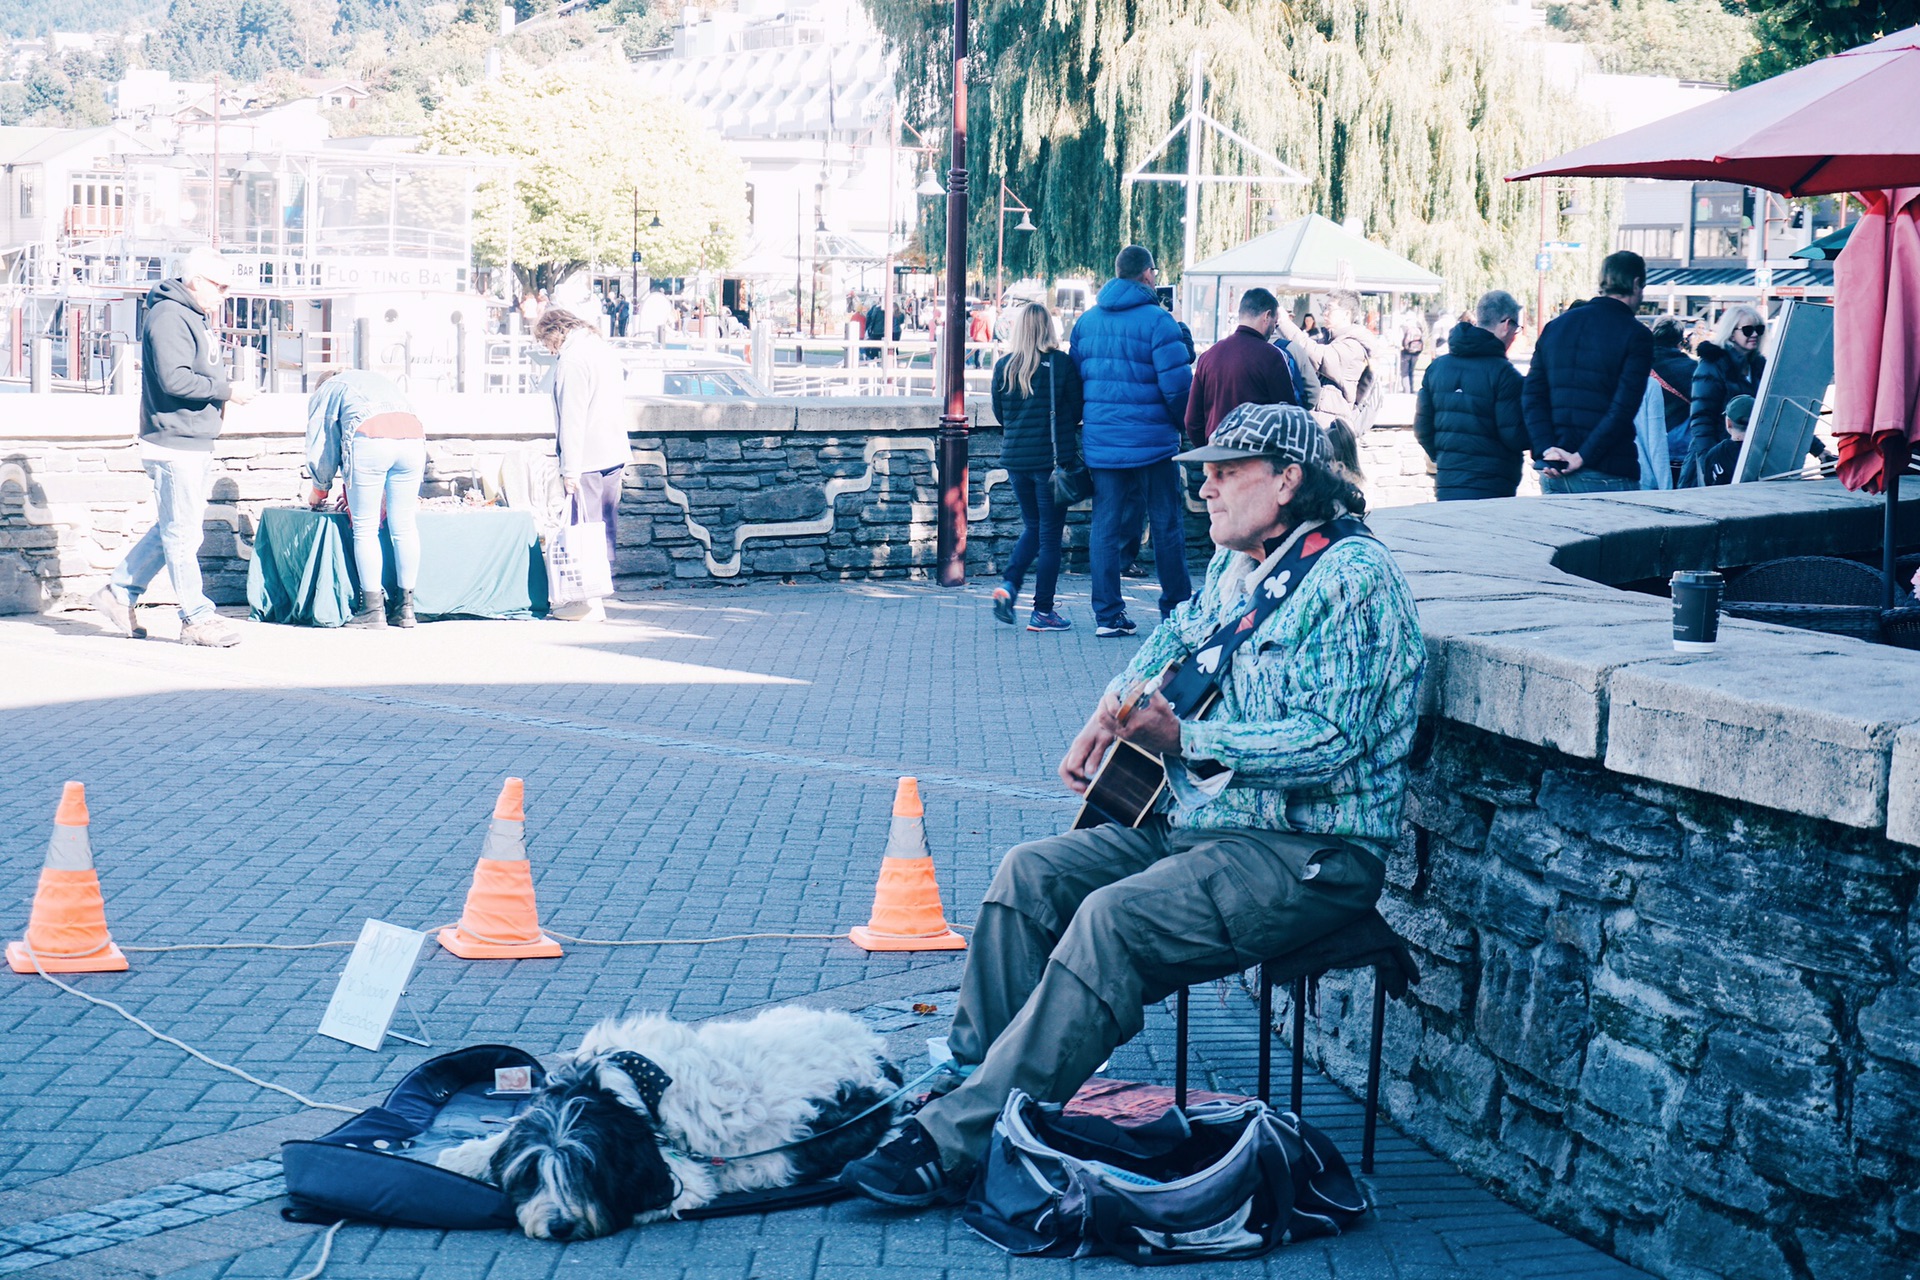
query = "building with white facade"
{"x": 347, "y": 251}
{"x": 803, "y": 96}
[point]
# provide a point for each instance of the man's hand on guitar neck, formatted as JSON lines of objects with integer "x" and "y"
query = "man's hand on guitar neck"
{"x": 1090, "y": 746}
{"x": 1152, "y": 726}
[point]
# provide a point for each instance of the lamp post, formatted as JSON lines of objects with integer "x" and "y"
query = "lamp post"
{"x": 950, "y": 542}
{"x": 633, "y": 299}
{"x": 1009, "y": 203}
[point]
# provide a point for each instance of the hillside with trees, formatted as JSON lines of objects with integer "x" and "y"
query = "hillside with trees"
{"x": 37, "y": 17}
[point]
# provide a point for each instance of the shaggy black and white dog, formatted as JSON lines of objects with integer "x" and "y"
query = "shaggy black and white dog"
{"x": 637, "y": 1124}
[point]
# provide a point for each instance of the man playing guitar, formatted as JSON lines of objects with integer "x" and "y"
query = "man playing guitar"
{"x": 1284, "y": 734}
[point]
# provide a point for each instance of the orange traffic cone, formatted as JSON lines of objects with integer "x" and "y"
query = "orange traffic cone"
{"x": 906, "y": 902}
{"x": 68, "y": 929}
{"x": 501, "y": 921}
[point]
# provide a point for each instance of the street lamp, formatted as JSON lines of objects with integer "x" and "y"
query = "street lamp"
{"x": 950, "y": 539}
{"x": 1009, "y": 203}
{"x": 634, "y": 299}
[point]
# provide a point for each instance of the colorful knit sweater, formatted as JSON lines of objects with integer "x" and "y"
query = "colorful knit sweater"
{"x": 1317, "y": 712}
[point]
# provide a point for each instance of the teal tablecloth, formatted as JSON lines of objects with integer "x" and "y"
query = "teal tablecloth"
{"x": 479, "y": 563}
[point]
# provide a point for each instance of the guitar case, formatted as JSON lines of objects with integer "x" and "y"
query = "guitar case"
{"x": 379, "y": 1165}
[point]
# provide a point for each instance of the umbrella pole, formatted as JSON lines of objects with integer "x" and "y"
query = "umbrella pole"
{"x": 1890, "y": 475}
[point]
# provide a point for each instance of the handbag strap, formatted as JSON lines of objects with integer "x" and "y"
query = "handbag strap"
{"x": 1053, "y": 420}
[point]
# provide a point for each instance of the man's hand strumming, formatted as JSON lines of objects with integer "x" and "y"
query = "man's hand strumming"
{"x": 1090, "y": 746}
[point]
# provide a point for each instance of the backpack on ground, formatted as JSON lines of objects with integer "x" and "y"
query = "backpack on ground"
{"x": 1221, "y": 1181}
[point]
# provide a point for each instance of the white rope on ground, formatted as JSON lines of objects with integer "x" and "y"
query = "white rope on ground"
{"x": 183, "y": 1046}
{"x": 326, "y": 1250}
{"x": 246, "y": 946}
{"x": 301, "y": 1098}
{"x": 688, "y": 942}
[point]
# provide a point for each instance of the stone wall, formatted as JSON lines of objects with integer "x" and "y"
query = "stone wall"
{"x": 719, "y": 492}
{"x": 1685, "y": 1027}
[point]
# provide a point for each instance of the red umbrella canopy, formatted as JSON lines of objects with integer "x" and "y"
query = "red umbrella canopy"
{"x": 1846, "y": 123}
{"x": 1876, "y": 340}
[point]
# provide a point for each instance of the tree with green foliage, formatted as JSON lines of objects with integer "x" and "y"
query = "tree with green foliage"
{"x": 584, "y": 138}
{"x": 1686, "y": 39}
{"x": 37, "y": 17}
{"x": 244, "y": 39}
{"x": 1406, "y": 116}
{"x": 1792, "y": 33}
{"x": 384, "y": 15}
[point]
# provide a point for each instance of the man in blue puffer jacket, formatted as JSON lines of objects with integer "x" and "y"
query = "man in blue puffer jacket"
{"x": 1136, "y": 372}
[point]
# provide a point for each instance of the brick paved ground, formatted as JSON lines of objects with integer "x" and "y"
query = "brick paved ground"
{"x": 706, "y": 762}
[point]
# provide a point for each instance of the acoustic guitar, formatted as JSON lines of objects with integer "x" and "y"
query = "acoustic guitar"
{"x": 1131, "y": 779}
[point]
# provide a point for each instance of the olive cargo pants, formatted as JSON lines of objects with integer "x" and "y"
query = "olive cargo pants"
{"x": 1080, "y": 931}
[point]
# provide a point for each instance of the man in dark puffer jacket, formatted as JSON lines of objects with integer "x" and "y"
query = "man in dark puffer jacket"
{"x": 1467, "y": 416}
{"x": 1588, "y": 377}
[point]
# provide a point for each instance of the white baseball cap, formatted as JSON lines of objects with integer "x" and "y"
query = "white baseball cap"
{"x": 207, "y": 264}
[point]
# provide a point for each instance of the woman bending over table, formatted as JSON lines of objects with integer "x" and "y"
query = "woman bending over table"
{"x": 360, "y": 425}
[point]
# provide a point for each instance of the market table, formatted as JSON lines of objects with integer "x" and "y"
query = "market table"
{"x": 481, "y": 562}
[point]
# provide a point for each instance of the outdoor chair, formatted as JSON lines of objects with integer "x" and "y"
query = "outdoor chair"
{"x": 1813, "y": 593}
{"x": 1369, "y": 943}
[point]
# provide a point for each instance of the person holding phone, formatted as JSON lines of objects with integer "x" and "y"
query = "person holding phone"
{"x": 1586, "y": 383}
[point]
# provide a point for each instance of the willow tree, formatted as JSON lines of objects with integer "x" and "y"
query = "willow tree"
{"x": 1405, "y": 115}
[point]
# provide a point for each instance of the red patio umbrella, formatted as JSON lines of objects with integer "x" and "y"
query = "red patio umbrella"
{"x": 1876, "y": 339}
{"x": 1850, "y": 122}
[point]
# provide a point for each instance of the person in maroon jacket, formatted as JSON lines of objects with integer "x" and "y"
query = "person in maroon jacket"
{"x": 1241, "y": 368}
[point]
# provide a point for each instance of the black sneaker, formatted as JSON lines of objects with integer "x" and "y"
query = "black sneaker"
{"x": 1003, "y": 605}
{"x": 905, "y": 1173}
{"x": 1108, "y": 630}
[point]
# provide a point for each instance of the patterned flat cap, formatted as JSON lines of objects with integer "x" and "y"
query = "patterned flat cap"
{"x": 1282, "y": 431}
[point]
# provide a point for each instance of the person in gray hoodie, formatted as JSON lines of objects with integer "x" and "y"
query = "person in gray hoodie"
{"x": 590, "y": 427}
{"x": 184, "y": 391}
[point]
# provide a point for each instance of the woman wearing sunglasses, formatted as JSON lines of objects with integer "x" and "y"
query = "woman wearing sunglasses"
{"x": 1730, "y": 365}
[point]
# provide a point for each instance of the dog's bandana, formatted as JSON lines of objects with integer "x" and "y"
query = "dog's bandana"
{"x": 647, "y": 1077}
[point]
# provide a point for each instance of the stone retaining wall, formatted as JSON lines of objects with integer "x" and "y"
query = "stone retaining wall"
{"x": 719, "y": 492}
{"x": 1667, "y": 907}
{"x": 1686, "y": 1028}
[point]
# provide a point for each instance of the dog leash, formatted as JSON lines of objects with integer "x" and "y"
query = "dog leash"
{"x": 887, "y": 1101}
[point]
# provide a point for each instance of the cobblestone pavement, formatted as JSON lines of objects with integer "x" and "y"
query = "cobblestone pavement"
{"x": 707, "y": 762}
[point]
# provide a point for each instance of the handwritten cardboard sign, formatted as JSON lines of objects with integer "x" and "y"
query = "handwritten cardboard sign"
{"x": 370, "y": 989}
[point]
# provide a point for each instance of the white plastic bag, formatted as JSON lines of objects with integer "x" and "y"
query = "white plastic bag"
{"x": 577, "y": 564}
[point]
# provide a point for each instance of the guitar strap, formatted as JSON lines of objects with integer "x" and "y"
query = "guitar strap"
{"x": 1197, "y": 682}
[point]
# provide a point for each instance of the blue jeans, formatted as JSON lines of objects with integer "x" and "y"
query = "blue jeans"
{"x": 1587, "y": 480}
{"x": 1116, "y": 491}
{"x": 1042, "y": 520}
{"x": 374, "y": 465}
{"x": 180, "y": 492}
